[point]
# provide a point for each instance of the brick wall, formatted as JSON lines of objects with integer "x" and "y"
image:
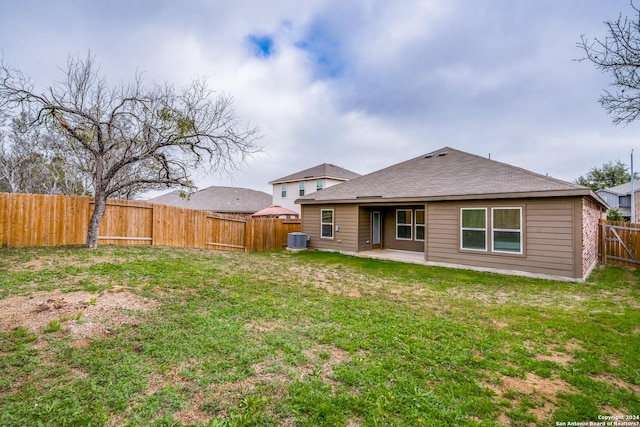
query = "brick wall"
{"x": 591, "y": 215}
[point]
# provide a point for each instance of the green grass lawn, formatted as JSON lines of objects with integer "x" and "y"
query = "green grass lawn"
{"x": 164, "y": 337}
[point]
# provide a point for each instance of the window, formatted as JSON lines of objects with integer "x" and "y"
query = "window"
{"x": 403, "y": 224}
{"x": 473, "y": 230}
{"x": 301, "y": 187}
{"x": 319, "y": 185}
{"x": 507, "y": 230}
{"x": 283, "y": 191}
{"x": 420, "y": 224}
{"x": 326, "y": 223}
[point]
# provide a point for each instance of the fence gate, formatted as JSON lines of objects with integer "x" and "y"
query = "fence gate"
{"x": 227, "y": 234}
{"x": 620, "y": 243}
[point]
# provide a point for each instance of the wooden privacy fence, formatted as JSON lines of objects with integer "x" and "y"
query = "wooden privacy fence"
{"x": 44, "y": 220}
{"x": 620, "y": 243}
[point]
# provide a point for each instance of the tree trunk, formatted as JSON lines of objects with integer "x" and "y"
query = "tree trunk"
{"x": 96, "y": 218}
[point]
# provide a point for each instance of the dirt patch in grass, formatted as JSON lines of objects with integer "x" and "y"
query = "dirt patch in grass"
{"x": 334, "y": 282}
{"x": 265, "y": 326}
{"x": 42, "y": 262}
{"x": 561, "y": 359}
{"x": 534, "y": 384}
{"x": 499, "y": 324}
{"x": 503, "y": 420}
{"x": 83, "y": 315}
{"x": 543, "y": 391}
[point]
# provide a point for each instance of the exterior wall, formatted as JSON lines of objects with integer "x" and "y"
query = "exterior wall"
{"x": 364, "y": 229}
{"x": 591, "y": 215}
{"x": 612, "y": 199}
{"x": 548, "y": 230}
{"x": 345, "y": 218}
{"x": 559, "y": 235}
{"x": 390, "y": 240}
{"x": 293, "y": 192}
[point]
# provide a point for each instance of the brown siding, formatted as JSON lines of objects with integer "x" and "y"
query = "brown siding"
{"x": 548, "y": 237}
{"x": 344, "y": 216}
{"x": 364, "y": 229}
{"x": 389, "y": 231}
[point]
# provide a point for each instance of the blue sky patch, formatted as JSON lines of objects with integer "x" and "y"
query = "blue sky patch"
{"x": 323, "y": 47}
{"x": 262, "y": 46}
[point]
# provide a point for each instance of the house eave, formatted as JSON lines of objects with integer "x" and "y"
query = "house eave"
{"x": 381, "y": 200}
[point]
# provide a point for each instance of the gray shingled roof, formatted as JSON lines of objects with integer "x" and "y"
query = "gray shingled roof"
{"x": 447, "y": 174}
{"x": 623, "y": 189}
{"x": 325, "y": 170}
{"x": 219, "y": 199}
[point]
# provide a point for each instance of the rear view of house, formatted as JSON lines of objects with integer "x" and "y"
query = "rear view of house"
{"x": 459, "y": 209}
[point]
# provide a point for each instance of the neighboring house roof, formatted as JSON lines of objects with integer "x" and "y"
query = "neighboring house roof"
{"x": 275, "y": 211}
{"x": 447, "y": 174}
{"x": 325, "y": 170}
{"x": 623, "y": 189}
{"x": 218, "y": 199}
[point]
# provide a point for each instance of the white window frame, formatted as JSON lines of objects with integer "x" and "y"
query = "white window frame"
{"x": 416, "y": 225}
{"x": 301, "y": 189}
{"x": 283, "y": 191}
{"x": 494, "y": 229}
{"x": 485, "y": 229}
{"x": 319, "y": 184}
{"x": 410, "y": 224}
{"x": 322, "y": 223}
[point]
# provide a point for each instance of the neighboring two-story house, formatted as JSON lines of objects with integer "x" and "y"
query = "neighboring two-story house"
{"x": 619, "y": 197}
{"x": 289, "y": 188}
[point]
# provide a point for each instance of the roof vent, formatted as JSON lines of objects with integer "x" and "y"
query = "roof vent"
{"x": 428, "y": 156}
{"x": 443, "y": 154}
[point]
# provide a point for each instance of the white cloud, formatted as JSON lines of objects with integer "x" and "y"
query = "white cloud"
{"x": 361, "y": 84}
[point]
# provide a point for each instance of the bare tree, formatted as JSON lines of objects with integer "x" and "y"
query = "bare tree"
{"x": 132, "y": 138}
{"x": 28, "y": 164}
{"x": 619, "y": 55}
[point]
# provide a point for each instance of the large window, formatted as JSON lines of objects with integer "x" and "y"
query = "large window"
{"x": 507, "y": 230}
{"x": 420, "y": 224}
{"x": 326, "y": 223}
{"x": 404, "y": 224}
{"x": 473, "y": 230}
{"x": 301, "y": 188}
{"x": 283, "y": 191}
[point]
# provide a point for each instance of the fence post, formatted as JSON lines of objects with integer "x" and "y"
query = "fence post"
{"x": 603, "y": 240}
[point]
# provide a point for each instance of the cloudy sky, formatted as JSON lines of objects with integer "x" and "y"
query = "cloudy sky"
{"x": 360, "y": 84}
